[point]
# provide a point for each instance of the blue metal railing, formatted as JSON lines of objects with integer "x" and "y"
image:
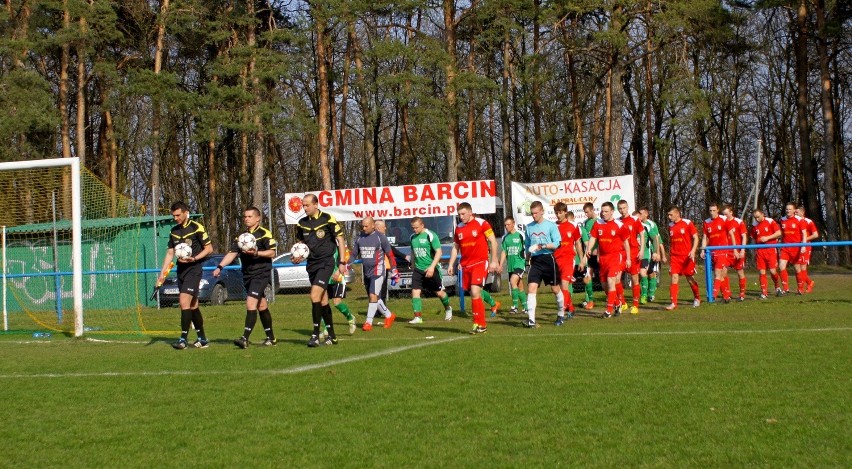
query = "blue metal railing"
{"x": 708, "y": 259}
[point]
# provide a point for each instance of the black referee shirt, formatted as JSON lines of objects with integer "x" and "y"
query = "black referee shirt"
{"x": 256, "y": 266}
{"x": 319, "y": 232}
{"x": 191, "y": 233}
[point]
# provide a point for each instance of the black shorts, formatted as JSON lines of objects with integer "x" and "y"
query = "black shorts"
{"x": 320, "y": 270}
{"x": 652, "y": 266}
{"x": 189, "y": 279}
{"x": 543, "y": 270}
{"x": 419, "y": 281}
{"x": 256, "y": 286}
{"x": 519, "y": 272}
{"x": 592, "y": 266}
{"x": 336, "y": 290}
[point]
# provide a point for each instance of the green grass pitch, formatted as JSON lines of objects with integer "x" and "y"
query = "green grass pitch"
{"x": 760, "y": 383}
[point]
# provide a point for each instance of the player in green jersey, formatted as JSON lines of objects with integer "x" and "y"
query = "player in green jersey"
{"x": 585, "y": 234}
{"x": 425, "y": 274}
{"x": 512, "y": 256}
{"x": 337, "y": 292}
{"x": 651, "y": 255}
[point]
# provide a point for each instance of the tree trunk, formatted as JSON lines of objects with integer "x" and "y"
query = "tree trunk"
{"x": 808, "y": 166}
{"x": 471, "y": 156}
{"x": 841, "y": 175}
{"x": 579, "y": 142}
{"x": 339, "y": 154}
{"x": 64, "y": 60}
{"x": 324, "y": 102}
{"x": 21, "y": 29}
{"x": 596, "y": 129}
{"x": 449, "y": 8}
{"x": 81, "y": 94}
{"x": 155, "y": 119}
{"x": 616, "y": 119}
{"x": 538, "y": 150}
{"x": 212, "y": 189}
{"x": 505, "y": 125}
{"x": 258, "y": 167}
{"x": 832, "y": 229}
{"x": 366, "y": 111}
{"x": 650, "y": 137}
{"x": 606, "y": 160}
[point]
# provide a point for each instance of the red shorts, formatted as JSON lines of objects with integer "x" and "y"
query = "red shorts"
{"x": 611, "y": 266}
{"x": 790, "y": 254}
{"x": 566, "y": 269}
{"x": 738, "y": 264}
{"x": 682, "y": 265}
{"x": 721, "y": 259}
{"x": 804, "y": 257}
{"x": 766, "y": 259}
{"x": 474, "y": 274}
{"x": 635, "y": 266}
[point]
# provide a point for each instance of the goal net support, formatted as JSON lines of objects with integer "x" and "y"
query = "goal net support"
{"x": 73, "y": 257}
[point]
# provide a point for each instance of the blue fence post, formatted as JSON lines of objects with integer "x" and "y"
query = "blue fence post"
{"x": 57, "y": 286}
{"x": 460, "y": 289}
{"x": 708, "y": 274}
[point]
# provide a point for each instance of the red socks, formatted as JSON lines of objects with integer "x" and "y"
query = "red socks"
{"x": 478, "y": 307}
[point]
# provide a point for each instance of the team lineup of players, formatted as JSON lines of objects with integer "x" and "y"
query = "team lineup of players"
{"x": 547, "y": 253}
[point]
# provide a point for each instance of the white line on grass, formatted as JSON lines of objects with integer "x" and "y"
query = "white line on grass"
{"x": 280, "y": 371}
{"x": 717, "y": 332}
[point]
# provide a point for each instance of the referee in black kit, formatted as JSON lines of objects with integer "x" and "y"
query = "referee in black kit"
{"x": 324, "y": 236}
{"x": 257, "y": 270}
{"x": 193, "y": 234}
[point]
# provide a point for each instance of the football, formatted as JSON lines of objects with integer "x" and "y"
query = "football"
{"x": 182, "y": 251}
{"x": 299, "y": 250}
{"x": 246, "y": 242}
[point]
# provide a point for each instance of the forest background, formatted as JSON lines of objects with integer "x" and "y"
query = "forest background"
{"x": 214, "y": 101}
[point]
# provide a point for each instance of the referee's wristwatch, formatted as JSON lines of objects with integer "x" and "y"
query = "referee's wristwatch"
{"x": 220, "y": 267}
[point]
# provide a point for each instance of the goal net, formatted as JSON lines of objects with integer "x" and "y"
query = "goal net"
{"x": 72, "y": 251}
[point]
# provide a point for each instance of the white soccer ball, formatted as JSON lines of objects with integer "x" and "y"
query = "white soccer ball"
{"x": 299, "y": 251}
{"x": 246, "y": 242}
{"x": 182, "y": 251}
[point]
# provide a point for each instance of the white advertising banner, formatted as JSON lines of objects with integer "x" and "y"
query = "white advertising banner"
{"x": 424, "y": 200}
{"x": 574, "y": 193}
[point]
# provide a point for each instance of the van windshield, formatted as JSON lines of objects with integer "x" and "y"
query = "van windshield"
{"x": 399, "y": 230}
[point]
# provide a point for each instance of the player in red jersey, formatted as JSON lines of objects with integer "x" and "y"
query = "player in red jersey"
{"x": 683, "y": 241}
{"x": 793, "y": 230}
{"x": 610, "y": 236}
{"x": 565, "y": 253}
{"x": 472, "y": 238}
{"x": 636, "y": 239}
{"x": 765, "y": 230}
{"x": 739, "y": 236}
{"x": 805, "y": 258}
{"x": 717, "y": 233}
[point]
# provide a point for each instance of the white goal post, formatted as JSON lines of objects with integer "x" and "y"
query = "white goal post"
{"x": 76, "y": 231}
